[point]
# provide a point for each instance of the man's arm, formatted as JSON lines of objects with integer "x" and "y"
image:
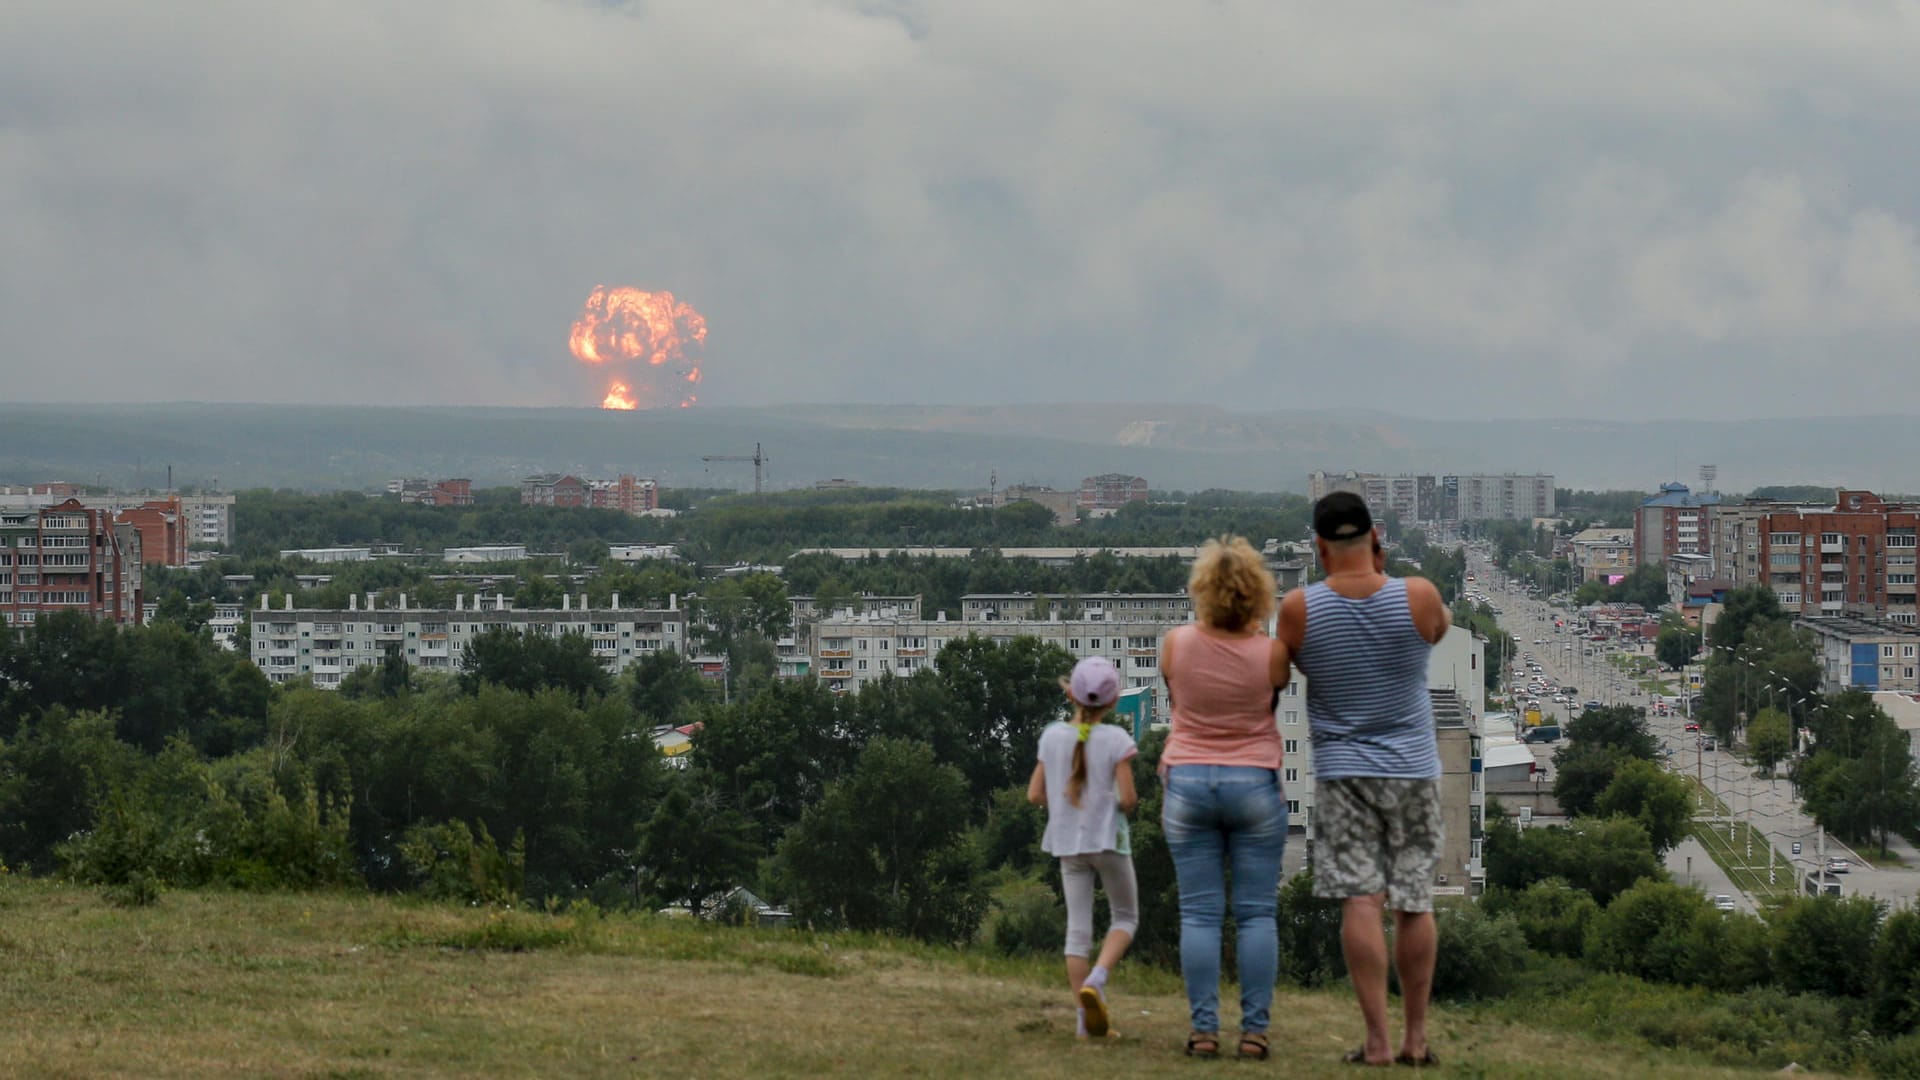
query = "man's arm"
{"x": 1292, "y": 628}
{"x": 1429, "y": 612}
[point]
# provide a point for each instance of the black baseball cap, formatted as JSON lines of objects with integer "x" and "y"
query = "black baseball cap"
{"x": 1341, "y": 516}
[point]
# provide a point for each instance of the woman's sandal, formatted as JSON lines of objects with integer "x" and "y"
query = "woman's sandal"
{"x": 1203, "y": 1044}
{"x": 1258, "y": 1042}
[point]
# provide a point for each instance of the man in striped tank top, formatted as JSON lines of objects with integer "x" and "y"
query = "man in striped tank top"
{"x": 1362, "y": 639}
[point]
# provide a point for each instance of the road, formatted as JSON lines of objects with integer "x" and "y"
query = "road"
{"x": 1770, "y": 803}
{"x": 1690, "y": 864}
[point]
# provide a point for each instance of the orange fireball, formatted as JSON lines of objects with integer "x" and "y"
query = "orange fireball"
{"x": 624, "y": 325}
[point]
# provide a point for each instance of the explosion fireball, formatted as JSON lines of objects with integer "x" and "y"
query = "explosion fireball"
{"x": 661, "y": 335}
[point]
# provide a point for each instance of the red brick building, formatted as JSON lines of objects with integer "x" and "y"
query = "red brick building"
{"x": 163, "y": 530}
{"x": 1111, "y": 491}
{"x": 1857, "y": 558}
{"x": 68, "y": 557}
{"x": 631, "y": 494}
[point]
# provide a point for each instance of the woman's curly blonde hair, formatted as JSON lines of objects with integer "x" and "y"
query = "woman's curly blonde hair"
{"x": 1230, "y": 584}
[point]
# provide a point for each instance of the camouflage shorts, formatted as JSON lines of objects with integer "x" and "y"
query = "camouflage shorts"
{"x": 1376, "y": 834}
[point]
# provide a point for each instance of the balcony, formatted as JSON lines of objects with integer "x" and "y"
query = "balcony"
{"x": 835, "y": 654}
{"x": 835, "y": 673}
{"x": 909, "y": 652}
{"x": 1837, "y": 548}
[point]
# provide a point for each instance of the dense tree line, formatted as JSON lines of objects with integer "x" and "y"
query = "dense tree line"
{"x": 726, "y": 529}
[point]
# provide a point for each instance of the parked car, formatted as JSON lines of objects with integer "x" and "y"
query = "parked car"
{"x": 1838, "y": 866}
{"x": 1723, "y": 902}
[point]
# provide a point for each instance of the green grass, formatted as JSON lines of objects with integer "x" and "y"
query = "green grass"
{"x": 207, "y": 984}
{"x": 1729, "y": 852}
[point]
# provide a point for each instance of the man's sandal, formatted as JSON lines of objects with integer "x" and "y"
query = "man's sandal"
{"x": 1253, "y": 1046}
{"x": 1203, "y": 1044}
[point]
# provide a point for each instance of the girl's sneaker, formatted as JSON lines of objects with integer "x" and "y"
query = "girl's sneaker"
{"x": 1095, "y": 1002}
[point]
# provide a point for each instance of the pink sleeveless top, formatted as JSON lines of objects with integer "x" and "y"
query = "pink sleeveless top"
{"x": 1222, "y": 701}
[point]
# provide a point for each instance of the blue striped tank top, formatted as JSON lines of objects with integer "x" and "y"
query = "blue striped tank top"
{"x": 1366, "y": 668}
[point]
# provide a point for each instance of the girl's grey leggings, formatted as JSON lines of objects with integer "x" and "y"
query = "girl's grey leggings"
{"x": 1115, "y": 871}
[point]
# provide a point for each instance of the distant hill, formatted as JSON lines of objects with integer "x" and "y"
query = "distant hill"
{"x": 1173, "y": 446}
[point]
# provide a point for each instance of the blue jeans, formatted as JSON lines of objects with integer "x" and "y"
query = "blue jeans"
{"x": 1216, "y": 816}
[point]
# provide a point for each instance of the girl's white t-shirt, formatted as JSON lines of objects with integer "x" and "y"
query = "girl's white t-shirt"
{"x": 1095, "y": 825}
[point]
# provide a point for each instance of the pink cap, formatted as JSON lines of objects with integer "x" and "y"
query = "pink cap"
{"x": 1095, "y": 683}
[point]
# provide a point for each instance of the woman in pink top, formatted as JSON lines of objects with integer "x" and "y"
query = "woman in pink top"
{"x": 1223, "y": 801}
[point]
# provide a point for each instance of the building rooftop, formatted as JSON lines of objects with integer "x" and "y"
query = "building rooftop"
{"x": 1852, "y": 626}
{"x": 1676, "y": 494}
{"x": 1448, "y": 712}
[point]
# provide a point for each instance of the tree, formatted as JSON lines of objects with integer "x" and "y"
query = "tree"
{"x": 1648, "y": 932}
{"x": 1622, "y": 727}
{"x": 1602, "y": 857}
{"x": 1896, "y": 974}
{"x": 1003, "y": 696}
{"x": 1825, "y": 945}
{"x": 1655, "y": 798}
{"x": 1582, "y": 772}
{"x": 662, "y": 685}
{"x": 694, "y": 848}
{"x": 530, "y": 662}
{"x": 887, "y": 849}
{"x": 1676, "y": 647}
{"x": 1309, "y": 933}
{"x": 1554, "y": 916}
{"x": 1744, "y": 607}
{"x": 1769, "y": 738}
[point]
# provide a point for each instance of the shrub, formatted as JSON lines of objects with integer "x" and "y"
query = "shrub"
{"x": 1479, "y": 954}
{"x": 1027, "y": 920}
{"x": 1554, "y": 916}
{"x": 1896, "y": 974}
{"x": 1825, "y": 944}
{"x": 448, "y": 862}
{"x": 1898, "y": 1058}
{"x": 1649, "y": 931}
{"x": 1309, "y": 935}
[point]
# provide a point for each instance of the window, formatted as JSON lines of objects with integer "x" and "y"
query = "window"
{"x": 1886, "y": 652}
{"x": 1292, "y": 746}
{"x": 1073, "y": 645}
{"x": 1292, "y": 716}
{"x": 1293, "y": 776}
{"x": 1293, "y": 806}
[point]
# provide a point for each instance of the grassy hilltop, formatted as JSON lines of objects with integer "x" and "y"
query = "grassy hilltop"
{"x": 341, "y": 985}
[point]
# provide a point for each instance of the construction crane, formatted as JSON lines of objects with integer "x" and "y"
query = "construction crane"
{"x": 759, "y": 460}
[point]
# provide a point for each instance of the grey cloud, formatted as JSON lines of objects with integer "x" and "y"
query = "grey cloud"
{"x": 1495, "y": 207}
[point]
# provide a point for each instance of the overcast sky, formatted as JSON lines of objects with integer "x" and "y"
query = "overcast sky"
{"x": 1488, "y": 209}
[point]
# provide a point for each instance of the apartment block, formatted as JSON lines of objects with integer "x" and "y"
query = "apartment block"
{"x": 1417, "y": 499}
{"x": 162, "y": 525}
{"x": 1673, "y": 522}
{"x": 1502, "y": 497}
{"x": 68, "y": 557}
{"x": 1111, "y": 491}
{"x": 1864, "y": 654}
{"x": 1855, "y": 557}
{"x": 209, "y": 519}
{"x": 326, "y": 645}
{"x": 629, "y": 494}
{"x": 419, "y": 491}
{"x": 1601, "y": 554}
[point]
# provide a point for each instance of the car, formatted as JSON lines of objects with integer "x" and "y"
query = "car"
{"x": 1723, "y": 902}
{"x": 1692, "y": 726}
{"x": 1708, "y": 744}
{"x": 1838, "y": 866}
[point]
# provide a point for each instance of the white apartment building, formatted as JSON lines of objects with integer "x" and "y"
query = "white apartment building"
{"x": 223, "y": 626}
{"x": 325, "y": 645}
{"x": 485, "y": 553}
{"x": 850, "y": 650}
{"x": 1172, "y": 608}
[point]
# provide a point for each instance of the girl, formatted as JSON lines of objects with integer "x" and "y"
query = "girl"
{"x": 1085, "y": 780}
